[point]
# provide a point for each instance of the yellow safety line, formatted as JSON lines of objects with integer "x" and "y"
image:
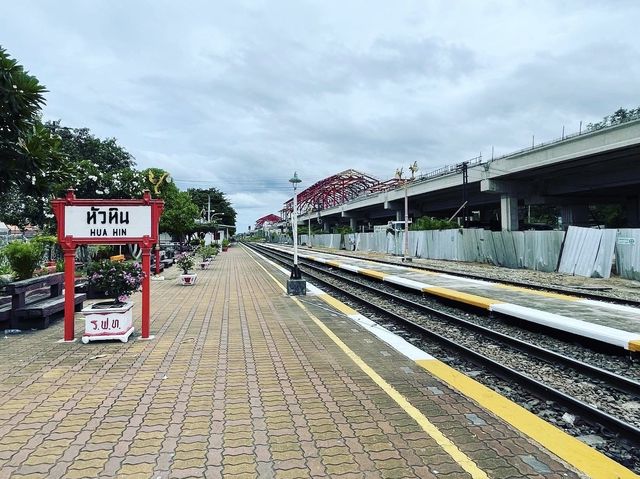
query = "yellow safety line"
{"x": 449, "y": 447}
{"x": 423, "y": 271}
{"x": 472, "y": 299}
{"x": 337, "y": 304}
{"x": 634, "y": 345}
{"x": 575, "y": 452}
{"x": 372, "y": 273}
{"x": 566, "y": 297}
{"x": 333, "y": 263}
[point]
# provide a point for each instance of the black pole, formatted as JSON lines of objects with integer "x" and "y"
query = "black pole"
{"x": 465, "y": 180}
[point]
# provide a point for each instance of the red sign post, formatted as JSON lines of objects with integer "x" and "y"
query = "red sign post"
{"x": 83, "y": 221}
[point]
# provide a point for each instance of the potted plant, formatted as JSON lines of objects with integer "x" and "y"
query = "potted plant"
{"x": 225, "y": 244}
{"x": 112, "y": 319}
{"x": 185, "y": 262}
{"x": 208, "y": 253}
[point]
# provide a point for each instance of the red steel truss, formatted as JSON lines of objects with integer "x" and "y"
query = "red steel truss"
{"x": 332, "y": 191}
{"x": 267, "y": 219}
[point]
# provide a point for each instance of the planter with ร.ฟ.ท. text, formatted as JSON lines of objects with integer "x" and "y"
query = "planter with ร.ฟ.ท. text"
{"x": 108, "y": 320}
{"x": 188, "y": 279}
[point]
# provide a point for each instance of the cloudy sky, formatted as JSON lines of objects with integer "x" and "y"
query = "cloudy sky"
{"x": 240, "y": 94}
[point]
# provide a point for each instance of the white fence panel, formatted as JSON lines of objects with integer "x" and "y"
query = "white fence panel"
{"x": 588, "y": 252}
{"x": 628, "y": 253}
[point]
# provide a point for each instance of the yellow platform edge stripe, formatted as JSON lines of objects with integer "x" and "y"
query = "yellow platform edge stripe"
{"x": 576, "y": 453}
{"x": 337, "y": 304}
{"x": 464, "y": 461}
{"x": 445, "y": 443}
{"x": 634, "y": 345}
{"x": 333, "y": 263}
{"x": 547, "y": 294}
{"x": 373, "y": 273}
{"x": 573, "y": 451}
{"x": 472, "y": 299}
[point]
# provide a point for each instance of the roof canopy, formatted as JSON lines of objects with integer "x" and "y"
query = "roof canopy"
{"x": 332, "y": 191}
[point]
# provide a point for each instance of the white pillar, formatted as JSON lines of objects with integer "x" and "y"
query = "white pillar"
{"x": 509, "y": 212}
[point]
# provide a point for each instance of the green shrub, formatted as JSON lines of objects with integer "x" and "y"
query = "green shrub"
{"x": 5, "y": 268}
{"x": 207, "y": 251}
{"x": 429, "y": 223}
{"x": 24, "y": 258}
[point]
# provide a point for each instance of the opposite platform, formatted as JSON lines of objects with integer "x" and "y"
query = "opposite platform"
{"x": 609, "y": 323}
{"x": 244, "y": 381}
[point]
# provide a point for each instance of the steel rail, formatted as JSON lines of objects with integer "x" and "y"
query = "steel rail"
{"x": 535, "y": 387}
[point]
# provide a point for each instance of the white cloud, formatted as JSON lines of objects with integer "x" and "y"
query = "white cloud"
{"x": 238, "y": 95}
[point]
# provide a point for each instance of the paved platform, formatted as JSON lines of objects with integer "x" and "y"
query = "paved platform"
{"x": 244, "y": 381}
{"x": 614, "y": 324}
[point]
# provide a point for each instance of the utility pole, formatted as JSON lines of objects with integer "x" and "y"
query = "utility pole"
{"x": 464, "y": 166}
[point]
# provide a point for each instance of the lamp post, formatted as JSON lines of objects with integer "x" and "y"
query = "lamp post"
{"x": 413, "y": 168}
{"x": 295, "y": 272}
{"x": 295, "y": 284}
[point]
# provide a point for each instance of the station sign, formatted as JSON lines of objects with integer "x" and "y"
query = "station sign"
{"x": 96, "y": 221}
{"x": 108, "y": 221}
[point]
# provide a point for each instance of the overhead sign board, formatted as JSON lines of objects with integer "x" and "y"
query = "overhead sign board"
{"x": 108, "y": 221}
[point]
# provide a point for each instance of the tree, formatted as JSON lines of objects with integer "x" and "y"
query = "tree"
{"x": 179, "y": 217}
{"x": 21, "y": 99}
{"x": 619, "y": 116}
{"x": 96, "y": 168}
{"x": 219, "y": 204}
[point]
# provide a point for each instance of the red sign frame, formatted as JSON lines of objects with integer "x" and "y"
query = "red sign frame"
{"x": 69, "y": 244}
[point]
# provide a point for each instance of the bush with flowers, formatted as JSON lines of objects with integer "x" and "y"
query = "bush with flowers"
{"x": 117, "y": 279}
{"x": 185, "y": 262}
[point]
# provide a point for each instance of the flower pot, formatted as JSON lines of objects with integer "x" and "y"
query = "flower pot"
{"x": 204, "y": 264}
{"x": 188, "y": 279}
{"x": 108, "y": 320}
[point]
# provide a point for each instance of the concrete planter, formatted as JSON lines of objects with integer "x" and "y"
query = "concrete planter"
{"x": 188, "y": 279}
{"x": 109, "y": 320}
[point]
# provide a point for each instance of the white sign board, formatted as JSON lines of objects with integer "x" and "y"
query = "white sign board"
{"x": 107, "y": 221}
{"x": 629, "y": 241}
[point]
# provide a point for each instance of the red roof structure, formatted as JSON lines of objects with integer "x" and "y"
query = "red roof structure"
{"x": 332, "y": 191}
{"x": 267, "y": 219}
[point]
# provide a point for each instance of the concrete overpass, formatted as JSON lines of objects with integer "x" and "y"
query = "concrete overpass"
{"x": 599, "y": 167}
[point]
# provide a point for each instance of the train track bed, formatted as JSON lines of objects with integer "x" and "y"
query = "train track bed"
{"x": 407, "y": 314}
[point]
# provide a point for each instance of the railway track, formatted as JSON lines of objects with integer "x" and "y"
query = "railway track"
{"x": 578, "y": 395}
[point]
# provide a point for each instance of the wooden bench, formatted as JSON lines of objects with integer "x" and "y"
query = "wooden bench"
{"x": 167, "y": 262}
{"x": 34, "y": 301}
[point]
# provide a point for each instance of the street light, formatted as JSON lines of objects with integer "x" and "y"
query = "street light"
{"x": 413, "y": 169}
{"x": 295, "y": 284}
